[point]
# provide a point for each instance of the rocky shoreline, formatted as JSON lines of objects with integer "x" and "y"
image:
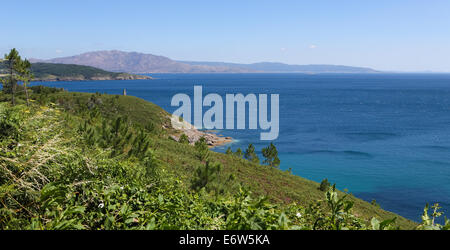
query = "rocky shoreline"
{"x": 193, "y": 135}
{"x": 122, "y": 76}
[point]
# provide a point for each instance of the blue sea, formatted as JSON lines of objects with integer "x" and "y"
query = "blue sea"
{"x": 380, "y": 136}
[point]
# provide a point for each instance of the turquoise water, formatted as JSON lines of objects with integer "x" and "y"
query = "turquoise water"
{"x": 381, "y": 136}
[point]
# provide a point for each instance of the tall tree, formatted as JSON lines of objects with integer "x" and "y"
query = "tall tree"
{"x": 206, "y": 174}
{"x": 202, "y": 149}
{"x": 271, "y": 155}
{"x": 239, "y": 153}
{"x": 250, "y": 154}
{"x": 25, "y": 76}
{"x": 13, "y": 63}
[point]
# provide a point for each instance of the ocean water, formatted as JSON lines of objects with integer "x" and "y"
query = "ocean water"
{"x": 380, "y": 136}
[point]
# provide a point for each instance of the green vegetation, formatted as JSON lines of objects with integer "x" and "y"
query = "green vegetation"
{"x": 271, "y": 155}
{"x": 16, "y": 70}
{"x": 69, "y": 72}
{"x": 61, "y": 168}
{"x": 41, "y": 70}
{"x": 428, "y": 222}
{"x": 206, "y": 174}
{"x": 324, "y": 185}
{"x": 93, "y": 161}
{"x": 250, "y": 154}
{"x": 374, "y": 203}
{"x": 238, "y": 153}
{"x": 184, "y": 139}
{"x": 202, "y": 149}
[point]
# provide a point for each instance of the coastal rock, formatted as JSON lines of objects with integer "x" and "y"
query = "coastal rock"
{"x": 193, "y": 134}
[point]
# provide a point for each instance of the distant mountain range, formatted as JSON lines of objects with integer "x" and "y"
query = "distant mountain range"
{"x": 274, "y": 67}
{"x": 140, "y": 63}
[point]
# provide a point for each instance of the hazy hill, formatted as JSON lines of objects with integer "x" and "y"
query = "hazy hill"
{"x": 133, "y": 62}
{"x": 273, "y": 67}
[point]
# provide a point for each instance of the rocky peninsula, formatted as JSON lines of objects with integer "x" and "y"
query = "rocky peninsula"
{"x": 193, "y": 134}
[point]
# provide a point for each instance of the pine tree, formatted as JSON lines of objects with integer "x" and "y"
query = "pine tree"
{"x": 184, "y": 139}
{"x": 150, "y": 127}
{"x": 250, "y": 154}
{"x": 89, "y": 133}
{"x": 239, "y": 153}
{"x": 324, "y": 185}
{"x": 152, "y": 171}
{"x": 271, "y": 155}
{"x": 229, "y": 151}
{"x": 205, "y": 174}
{"x": 13, "y": 63}
{"x": 202, "y": 149}
{"x": 140, "y": 146}
{"x": 25, "y": 76}
{"x": 117, "y": 135}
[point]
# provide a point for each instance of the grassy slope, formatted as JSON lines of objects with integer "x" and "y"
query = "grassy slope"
{"x": 279, "y": 186}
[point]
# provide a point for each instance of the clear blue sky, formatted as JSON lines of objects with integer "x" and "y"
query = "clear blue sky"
{"x": 399, "y": 35}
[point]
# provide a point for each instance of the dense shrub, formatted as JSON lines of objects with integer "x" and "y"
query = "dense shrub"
{"x": 79, "y": 169}
{"x": 324, "y": 185}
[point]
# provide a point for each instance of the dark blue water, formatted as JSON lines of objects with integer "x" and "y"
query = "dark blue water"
{"x": 383, "y": 137}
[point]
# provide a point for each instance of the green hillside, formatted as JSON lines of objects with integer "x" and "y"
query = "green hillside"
{"x": 73, "y": 72}
{"x": 91, "y": 161}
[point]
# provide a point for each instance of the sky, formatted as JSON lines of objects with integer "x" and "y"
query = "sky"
{"x": 394, "y": 35}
